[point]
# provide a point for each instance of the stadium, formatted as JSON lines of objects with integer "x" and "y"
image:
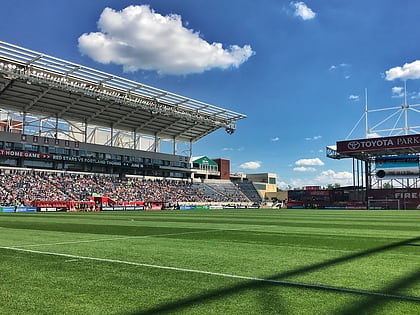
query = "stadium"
{"x": 71, "y": 122}
{"x": 62, "y": 121}
{"x": 81, "y": 162}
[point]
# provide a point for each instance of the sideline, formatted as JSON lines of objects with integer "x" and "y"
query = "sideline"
{"x": 225, "y": 275}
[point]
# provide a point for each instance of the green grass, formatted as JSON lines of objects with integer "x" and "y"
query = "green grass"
{"x": 220, "y": 262}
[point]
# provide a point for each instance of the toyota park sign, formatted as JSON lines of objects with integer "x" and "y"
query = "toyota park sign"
{"x": 373, "y": 144}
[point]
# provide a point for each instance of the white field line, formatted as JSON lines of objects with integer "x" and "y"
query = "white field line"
{"x": 225, "y": 275}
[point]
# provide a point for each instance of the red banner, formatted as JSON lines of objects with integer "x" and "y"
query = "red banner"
{"x": 373, "y": 144}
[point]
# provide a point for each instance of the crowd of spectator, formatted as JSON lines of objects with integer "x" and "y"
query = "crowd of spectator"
{"x": 25, "y": 187}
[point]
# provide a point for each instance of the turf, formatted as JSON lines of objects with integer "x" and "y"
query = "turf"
{"x": 211, "y": 262}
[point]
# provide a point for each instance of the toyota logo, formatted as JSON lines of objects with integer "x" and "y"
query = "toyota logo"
{"x": 353, "y": 145}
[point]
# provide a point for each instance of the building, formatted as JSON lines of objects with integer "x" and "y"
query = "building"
{"x": 59, "y": 115}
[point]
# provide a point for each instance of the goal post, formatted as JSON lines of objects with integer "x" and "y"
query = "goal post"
{"x": 384, "y": 204}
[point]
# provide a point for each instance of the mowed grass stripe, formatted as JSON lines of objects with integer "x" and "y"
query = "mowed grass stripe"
{"x": 281, "y": 218}
{"x": 251, "y": 235}
{"x": 55, "y": 286}
{"x": 253, "y": 279}
{"x": 283, "y": 245}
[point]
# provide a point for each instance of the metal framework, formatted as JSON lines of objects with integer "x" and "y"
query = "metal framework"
{"x": 390, "y": 122}
{"x": 74, "y": 100}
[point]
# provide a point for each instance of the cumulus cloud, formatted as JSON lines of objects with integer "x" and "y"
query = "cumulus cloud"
{"x": 333, "y": 177}
{"x": 303, "y": 11}
{"x": 253, "y": 165}
{"x": 309, "y": 162}
{"x": 325, "y": 178}
{"x": 407, "y": 71}
{"x": 304, "y": 169}
{"x": 138, "y": 38}
{"x": 397, "y": 91}
{"x": 283, "y": 185}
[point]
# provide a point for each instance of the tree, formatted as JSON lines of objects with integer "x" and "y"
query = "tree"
{"x": 332, "y": 186}
{"x": 387, "y": 185}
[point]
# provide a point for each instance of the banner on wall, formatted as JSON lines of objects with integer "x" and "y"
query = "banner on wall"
{"x": 7, "y": 209}
{"x": 122, "y": 208}
{"x": 25, "y": 209}
{"x": 389, "y": 167}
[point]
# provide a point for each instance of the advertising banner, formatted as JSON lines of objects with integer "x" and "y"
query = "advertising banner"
{"x": 7, "y": 209}
{"x": 122, "y": 208}
{"x": 372, "y": 144}
{"x": 25, "y": 209}
{"x": 186, "y": 207}
{"x": 395, "y": 198}
{"x": 52, "y": 209}
{"x": 66, "y": 158}
{"x": 389, "y": 167}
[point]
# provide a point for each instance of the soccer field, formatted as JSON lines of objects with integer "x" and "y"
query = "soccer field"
{"x": 211, "y": 262}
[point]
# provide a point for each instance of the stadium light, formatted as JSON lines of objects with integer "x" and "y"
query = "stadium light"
{"x": 230, "y": 130}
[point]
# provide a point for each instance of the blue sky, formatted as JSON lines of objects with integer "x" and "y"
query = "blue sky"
{"x": 298, "y": 70}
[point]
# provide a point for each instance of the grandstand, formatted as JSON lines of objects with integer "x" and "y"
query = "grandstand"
{"x": 63, "y": 191}
{"x": 75, "y": 136}
{"x": 248, "y": 189}
{"x": 227, "y": 189}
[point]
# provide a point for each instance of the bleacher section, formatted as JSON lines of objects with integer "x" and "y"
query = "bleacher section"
{"x": 248, "y": 189}
{"x": 226, "y": 190}
{"x": 29, "y": 187}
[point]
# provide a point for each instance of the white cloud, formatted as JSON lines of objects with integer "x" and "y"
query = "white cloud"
{"x": 341, "y": 69}
{"x": 275, "y": 139}
{"x": 303, "y": 11}
{"x": 299, "y": 182}
{"x": 283, "y": 185}
{"x": 138, "y": 38}
{"x": 324, "y": 179}
{"x": 373, "y": 135}
{"x": 333, "y": 177}
{"x": 253, "y": 165}
{"x": 397, "y": 91}
{"x": 313, "y": 138}
{"x": 233, "y": 149}
{"x": 353, "y": 97}
{"x": 309, "y": 162}
{"x": 304, "y": 169}
{"x": 339, "y": 66}
{"x": 415, "y": 95}
{"x": 407, "y": 71}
